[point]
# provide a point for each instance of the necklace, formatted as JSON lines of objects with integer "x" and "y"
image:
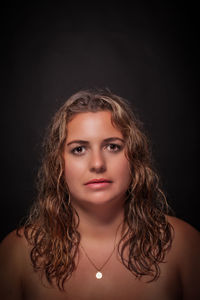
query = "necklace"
{"x": 99, "y": 273}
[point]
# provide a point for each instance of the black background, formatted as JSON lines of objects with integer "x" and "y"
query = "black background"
{"x": 147, "y": 53}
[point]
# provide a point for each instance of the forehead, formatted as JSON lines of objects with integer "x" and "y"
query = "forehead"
{"x": 92, "y": 124}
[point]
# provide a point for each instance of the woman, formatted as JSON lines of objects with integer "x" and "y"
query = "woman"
{"x": 100, "y": 228}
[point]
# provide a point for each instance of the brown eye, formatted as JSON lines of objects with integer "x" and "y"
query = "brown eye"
{"x": 114, "y": 147}
{"x": 78, "y": 150}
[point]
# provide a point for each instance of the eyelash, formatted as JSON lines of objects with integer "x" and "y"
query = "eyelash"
{"x": 117, "y": 147}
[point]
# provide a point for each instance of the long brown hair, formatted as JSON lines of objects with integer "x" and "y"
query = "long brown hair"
{"x": 52, "y": 228}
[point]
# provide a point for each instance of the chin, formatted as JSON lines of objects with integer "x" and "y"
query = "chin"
{"x": 101, "y": 200}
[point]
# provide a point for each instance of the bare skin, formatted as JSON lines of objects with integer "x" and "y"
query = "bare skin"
{"x": 179, "y": 275}
{"x": 101, "y": 211}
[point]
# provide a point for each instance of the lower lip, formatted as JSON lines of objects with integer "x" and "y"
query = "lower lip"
{"x": 97, "y": 185}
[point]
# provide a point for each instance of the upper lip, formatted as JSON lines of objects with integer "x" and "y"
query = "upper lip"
{"x": 98, "y": 180}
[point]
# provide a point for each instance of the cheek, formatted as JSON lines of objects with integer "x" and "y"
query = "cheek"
{"x": 73, "y": 171}
{"x": 123, "y": 171}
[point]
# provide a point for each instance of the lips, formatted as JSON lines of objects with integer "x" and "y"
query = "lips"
{"x": 99, "y": 180}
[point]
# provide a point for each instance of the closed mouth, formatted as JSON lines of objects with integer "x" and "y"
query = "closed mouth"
{"x": 101, "y": 180}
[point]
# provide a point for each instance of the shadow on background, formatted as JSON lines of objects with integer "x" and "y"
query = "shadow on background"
{"x": 147, "y": 54}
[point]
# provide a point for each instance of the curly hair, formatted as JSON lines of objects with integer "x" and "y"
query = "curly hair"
{"x": 52, "y": 226}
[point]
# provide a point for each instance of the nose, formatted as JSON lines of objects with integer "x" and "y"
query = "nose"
{"x": 97, "y": 162}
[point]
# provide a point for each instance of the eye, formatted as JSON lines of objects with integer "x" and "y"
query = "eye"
{"x": 114, "y": 147}
{"x": 78, "y": 150}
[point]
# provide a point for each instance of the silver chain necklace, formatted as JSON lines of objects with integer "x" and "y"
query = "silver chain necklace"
{"x": 99, "y": 273}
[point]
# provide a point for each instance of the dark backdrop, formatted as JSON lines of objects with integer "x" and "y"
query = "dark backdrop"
{"x": 145, "y": 53}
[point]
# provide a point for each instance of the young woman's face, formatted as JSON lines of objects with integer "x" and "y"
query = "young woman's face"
{"x": 96, "y": 169}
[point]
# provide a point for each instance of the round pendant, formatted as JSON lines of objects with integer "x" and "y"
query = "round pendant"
{"x": 99, "y": 275}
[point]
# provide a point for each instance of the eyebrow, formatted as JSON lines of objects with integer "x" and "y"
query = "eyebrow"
{"x": 111, "y": 139}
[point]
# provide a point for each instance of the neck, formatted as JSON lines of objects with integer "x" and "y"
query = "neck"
{"x": 99, "y": 222}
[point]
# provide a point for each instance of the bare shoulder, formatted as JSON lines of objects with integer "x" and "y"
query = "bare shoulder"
{"x": 13, "y": 250}
{"x": 13, "y": 244}
{"x": 186, "y": 241}
{"x": 185, "y": 254}
{"x": 184, "y": 233}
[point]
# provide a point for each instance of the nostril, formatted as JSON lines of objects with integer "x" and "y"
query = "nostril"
{"x": 98, "y": 169}
{"x": 98, "y": 163}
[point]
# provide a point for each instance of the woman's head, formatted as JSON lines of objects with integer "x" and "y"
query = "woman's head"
{"x": 122, "y": 118}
